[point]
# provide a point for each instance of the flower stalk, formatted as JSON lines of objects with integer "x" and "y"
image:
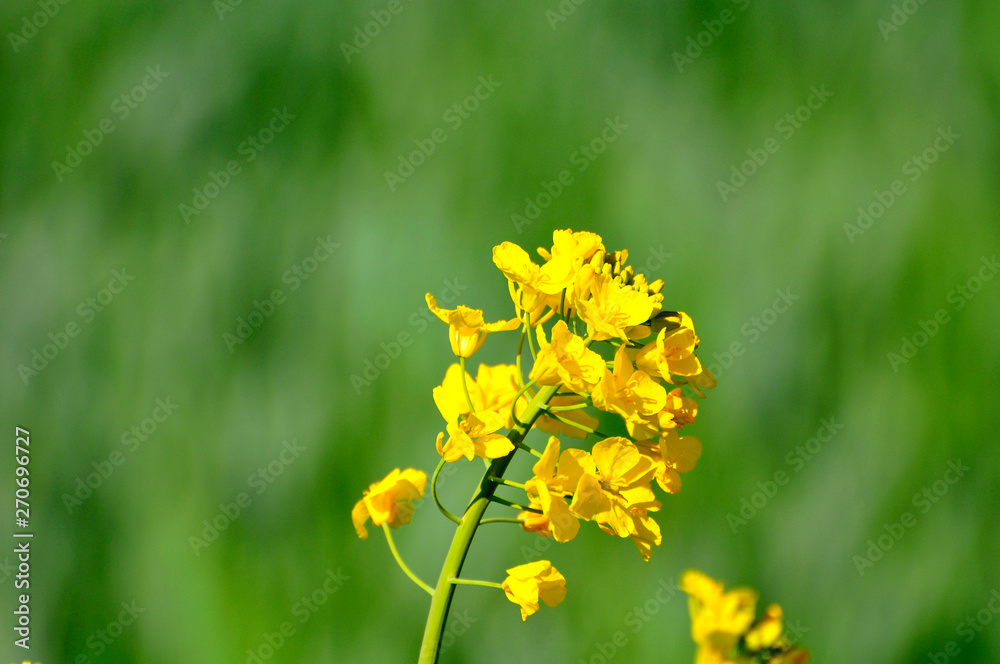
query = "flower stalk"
{"x": 466, "y": 531}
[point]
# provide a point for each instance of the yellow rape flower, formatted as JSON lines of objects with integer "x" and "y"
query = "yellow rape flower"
{"x": 672, "y": 352}
{"x": 644, "y": 531}
{"x": 566, "y": 360}
{"x": 722, "y": 624}
{"x": 768, "y": 629}
{"x": 494, "y": 389}
{"x": 550, "y": 278}
{"x": 387, "y": 501}
{"x": 537, "y": 285}
{"x": 475, "y": 436}
{"x": 630, "y": 393}
{"x": 679, "y": 411}
{"x": 466, "y": 328}
{"x": 547, "y": 490}
{"x": 673, "y": 455}
{"x": 579, "y": 247}
{"x": 718, "y": 618}
{"x": 613, "y": 308}
{"x": 614, "y": 491}
{"x": 528, "y": 585}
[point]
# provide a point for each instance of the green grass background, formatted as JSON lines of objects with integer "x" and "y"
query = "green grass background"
{"x": 653, "y": 190}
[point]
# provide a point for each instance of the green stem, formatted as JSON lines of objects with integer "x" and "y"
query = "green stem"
{"x": 517, "y": 506}
{"x": 531, "y": 346}
{"x": 530, "y": 450}
{"x": 520, "y": 349}
{"x": 402, "y": 565}
{"x": 465, "y": 387}
{"x": 577, "y": 425}
{"x": 501, "y": 519}
{"x": 517, "y": 397}
{"x": 556, "y": 409}
{"x": 474, "y": 582}
{"x": 452, "y": 568}
{"x": 500, "y": 480}
{"x": 434, "y": 493}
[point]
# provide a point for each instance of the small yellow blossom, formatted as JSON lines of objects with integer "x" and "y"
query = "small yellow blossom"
{"x": 566, "y": 360}
{"x": 630, "y": 393}
{"x": 680, "y": 411}
{"x": 672, "y": 352}
{"x": 532, "y": 286}
{"x": 579, "y": 247}
{"x": 466, "y": 328}
{"x": 550, "y": 278}
{"x": 387, "y": 501}
{"x": 673, "y": 455}
{"x": 613, "y": 308}
{"x": 475, "y": 436}
{"x": 547, "y": 492}
{"x": 718, "y": 618}
{"x": 493, "y": 389}
{"x": 768, "y": 629}
{"x": 528, "y": 585}
{"x": 614, "y": 490}
{"x": 722, "y": 624}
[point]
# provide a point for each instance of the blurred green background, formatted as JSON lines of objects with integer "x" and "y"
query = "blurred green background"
{"x": 347, "y": 115}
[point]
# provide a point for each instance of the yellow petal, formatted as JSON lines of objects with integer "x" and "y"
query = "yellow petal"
{"x": 359, "y": 515}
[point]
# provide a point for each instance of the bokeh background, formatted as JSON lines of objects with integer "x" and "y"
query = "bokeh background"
{"x": 558, "y": 73}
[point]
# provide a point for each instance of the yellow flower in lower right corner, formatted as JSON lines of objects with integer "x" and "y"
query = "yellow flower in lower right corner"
{"x": 722, "y": 624}
{"x": 526, "y": 585}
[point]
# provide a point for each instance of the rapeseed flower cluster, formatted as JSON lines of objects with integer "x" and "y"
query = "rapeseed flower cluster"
{"x": 724, "y": 627}
{"x": 612, "y": 382}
